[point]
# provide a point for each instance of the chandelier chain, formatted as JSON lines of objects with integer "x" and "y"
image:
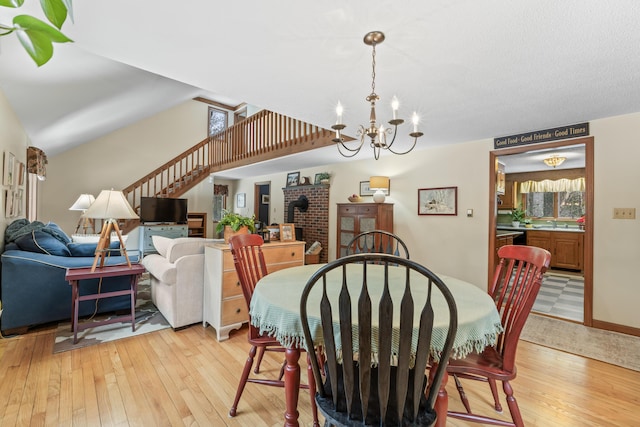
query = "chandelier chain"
{"x": 373, "y": 69}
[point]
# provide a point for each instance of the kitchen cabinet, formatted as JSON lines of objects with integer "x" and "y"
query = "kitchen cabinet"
{"x": 355, "y": 218}
{"x": 224, "y": 306}
{"x": 507, "y": 200}
{"x": 500, "y": 242}
{"x": 566, "y": 247}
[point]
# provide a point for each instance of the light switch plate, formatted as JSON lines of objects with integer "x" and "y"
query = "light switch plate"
{"x": 624, "y": 213}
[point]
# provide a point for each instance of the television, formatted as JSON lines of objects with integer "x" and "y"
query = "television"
{"x": 163, "y": 210}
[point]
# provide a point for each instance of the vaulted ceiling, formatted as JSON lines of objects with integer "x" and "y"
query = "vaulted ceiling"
{"x": 471, "y": 69}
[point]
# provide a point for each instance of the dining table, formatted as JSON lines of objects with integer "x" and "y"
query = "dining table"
{"x": 275, "y": 311}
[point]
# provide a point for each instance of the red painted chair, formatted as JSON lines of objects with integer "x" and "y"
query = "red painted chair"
{"x": 516, "y": 283}
{"x": 250, "y": 265}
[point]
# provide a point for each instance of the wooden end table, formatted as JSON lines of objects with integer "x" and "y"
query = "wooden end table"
{"x": 74, "y": 275}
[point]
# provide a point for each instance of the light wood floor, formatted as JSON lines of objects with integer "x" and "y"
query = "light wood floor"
{"x": 169, "y": 378}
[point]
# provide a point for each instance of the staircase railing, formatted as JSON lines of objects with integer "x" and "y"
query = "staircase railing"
{"x": 265, "y": 135}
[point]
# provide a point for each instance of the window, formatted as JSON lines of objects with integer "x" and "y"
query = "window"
{"x": 217, "y": 121}
{"x": 564, "y": 204}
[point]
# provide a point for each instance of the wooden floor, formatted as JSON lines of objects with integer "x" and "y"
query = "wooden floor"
{"x": 169, "y": 378}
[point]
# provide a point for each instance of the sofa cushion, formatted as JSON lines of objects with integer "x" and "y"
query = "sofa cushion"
{"x": 55, "y": 230}
{"x": 184, "y": 246}
{"x": 43, "y": 242}
{"x": 88, "y": 249}
{"x": 161, "y": 244}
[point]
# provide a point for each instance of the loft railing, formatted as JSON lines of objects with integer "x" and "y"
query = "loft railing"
{"x": 265, "y": 135}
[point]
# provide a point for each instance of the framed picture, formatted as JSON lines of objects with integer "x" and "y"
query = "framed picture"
{"x": 8, "y": 203}
{"x": 274, "y": 233}
{"x": 21, "y": 173}
{"x": 265, "y": 199}
{"x": 366, "y": 191}
{"x": 241, "y": 200}
{"x": 293, "y": 179}
{"x": 438, "y": 201}
{"x": 9, "y": 168}
{"x": 287, "y": 233}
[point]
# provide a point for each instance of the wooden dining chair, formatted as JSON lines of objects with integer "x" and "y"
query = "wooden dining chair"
{"x": 378, "y": 241}
{"x": 515, "y": 285}
{"x": 250, "y": 266}
{"x": 376, "y": 372}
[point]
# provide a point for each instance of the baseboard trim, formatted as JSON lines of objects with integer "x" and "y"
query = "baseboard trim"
{"x": 614, "y": 327}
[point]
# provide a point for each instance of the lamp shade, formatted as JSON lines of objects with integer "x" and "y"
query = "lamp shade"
{"x": 111, "y": 204}
{"x": 379, "y": 183}
{"x": 83, "y": 202}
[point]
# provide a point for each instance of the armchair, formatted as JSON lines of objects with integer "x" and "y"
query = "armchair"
{"x": 177, "y": 278}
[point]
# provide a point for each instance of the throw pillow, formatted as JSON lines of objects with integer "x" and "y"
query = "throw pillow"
{"x": 55, "y": 230}
{"x": 42, "y": 242}
{"x": 161, "y": 244}
{"x": 88, "y": 249}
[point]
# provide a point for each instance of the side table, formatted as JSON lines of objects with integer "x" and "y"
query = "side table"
{"x": 74, "y": 275}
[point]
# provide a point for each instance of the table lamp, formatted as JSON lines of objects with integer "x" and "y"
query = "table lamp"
{"x": 110, "y": 206}
{"x": 380, "y": 184}
{"x": 82, "y": 204}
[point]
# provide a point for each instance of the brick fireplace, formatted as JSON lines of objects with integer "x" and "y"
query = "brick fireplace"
{"x": 315, "y": 221}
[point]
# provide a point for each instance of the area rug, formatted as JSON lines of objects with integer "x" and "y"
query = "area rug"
{"x": 148, "y": 319}
{"x": 610, "y": 347}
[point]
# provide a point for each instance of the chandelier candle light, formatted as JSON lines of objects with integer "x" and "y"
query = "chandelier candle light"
{"x": 377, "y": 134}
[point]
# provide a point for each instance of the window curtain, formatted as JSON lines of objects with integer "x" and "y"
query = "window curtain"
{"x": 220, "y": 190}
{"x": 36, "y": 162}
{"x": 549, "y": 186}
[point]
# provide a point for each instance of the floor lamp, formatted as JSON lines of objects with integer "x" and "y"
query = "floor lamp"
{"x": 110, "y": 206}
{"x": 82, "y": 204}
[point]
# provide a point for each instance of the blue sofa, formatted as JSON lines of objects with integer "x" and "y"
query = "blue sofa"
{"x": 33, "y": 289}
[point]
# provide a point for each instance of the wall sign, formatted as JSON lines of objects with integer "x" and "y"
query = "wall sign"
{"x": 553, "y": 134}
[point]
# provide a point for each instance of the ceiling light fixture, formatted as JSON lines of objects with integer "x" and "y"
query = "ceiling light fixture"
{"x": 554, "y": 160}
{"x": 378, "y": 135}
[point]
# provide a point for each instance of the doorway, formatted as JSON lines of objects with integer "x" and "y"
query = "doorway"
{"x": 587, "y": 271}
{"x": 262, "y": 197}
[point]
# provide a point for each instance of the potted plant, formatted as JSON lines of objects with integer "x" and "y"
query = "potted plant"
{"x": 233, "y": 223}
{"x": 517, "y": 215}
{"x": 527, "y": 223}
{"x": 323, "y": 177}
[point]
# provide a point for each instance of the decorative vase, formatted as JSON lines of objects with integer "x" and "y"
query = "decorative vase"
{"x": 324, "y": 181}
{"x": 228, "y": 232}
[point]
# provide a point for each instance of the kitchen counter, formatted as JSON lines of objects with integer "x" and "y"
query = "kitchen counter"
{"x": 509, "y": 233}
{"x": 545, "y": 228}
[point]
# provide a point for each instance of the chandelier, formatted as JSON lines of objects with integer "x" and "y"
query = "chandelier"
{"x": 376, "y": 134}
{"x": 554, "y": 160}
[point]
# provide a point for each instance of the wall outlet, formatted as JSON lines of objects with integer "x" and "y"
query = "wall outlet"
{"x": 624, "y": 213}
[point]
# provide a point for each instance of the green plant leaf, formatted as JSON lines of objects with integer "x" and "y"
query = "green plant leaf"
{"x": 55, "y": 11}
{"x": 11, "y": 3}
{"x": 37, "y": 37}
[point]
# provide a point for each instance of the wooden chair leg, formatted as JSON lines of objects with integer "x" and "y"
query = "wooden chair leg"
{"x": 243, "y": 380}
{"x": 513, "y": 405}
{"x": 496, "y": 397}
{"x": 312, "y": 393}
{"x": 261, "y": 351}
{"x": 463, "y": 395}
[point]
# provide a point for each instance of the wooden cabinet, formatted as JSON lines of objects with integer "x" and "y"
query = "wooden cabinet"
{"x": 224, "y": 306}
{"x": 197, "y": 222}
{"x": 148, "y": 231}
{"x": 355, "y": 218}
{"x": 566, "y": 247}
{"x": 507, "y": 200}
{"x": 500, "y": 242}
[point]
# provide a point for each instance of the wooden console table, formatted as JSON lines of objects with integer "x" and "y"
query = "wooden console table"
{"x": 75, "y": 275}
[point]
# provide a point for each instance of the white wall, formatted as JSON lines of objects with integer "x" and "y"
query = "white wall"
{"x": 449, "y": 245}
{"x": 122, "y": 157}
{"x": 14, "y": 140}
